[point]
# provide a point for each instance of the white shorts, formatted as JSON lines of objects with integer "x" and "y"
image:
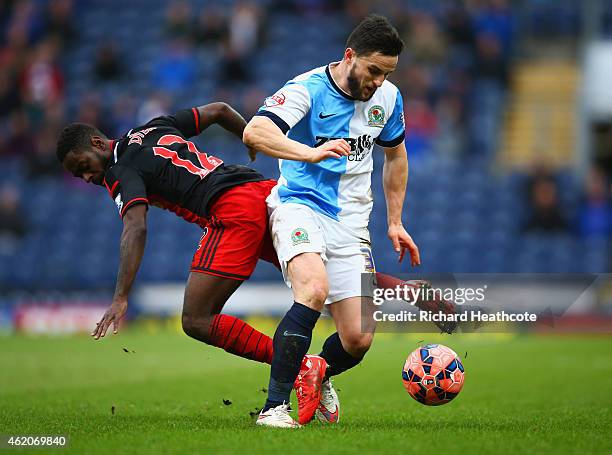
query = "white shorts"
{"x": 298, "y": 229}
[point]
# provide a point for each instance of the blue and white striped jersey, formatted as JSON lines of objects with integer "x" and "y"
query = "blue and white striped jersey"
{"x": 312, "y": 109}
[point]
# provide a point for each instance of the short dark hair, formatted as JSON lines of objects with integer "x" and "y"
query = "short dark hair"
{"x": 74, "y": 137}
{"x": 375, "y": 34}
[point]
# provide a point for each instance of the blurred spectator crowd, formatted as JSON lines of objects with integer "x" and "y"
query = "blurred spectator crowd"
{"x": 108, "y": 64}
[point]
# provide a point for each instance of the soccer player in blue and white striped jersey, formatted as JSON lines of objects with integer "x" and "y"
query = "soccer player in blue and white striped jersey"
{"x": 322, "y": 125}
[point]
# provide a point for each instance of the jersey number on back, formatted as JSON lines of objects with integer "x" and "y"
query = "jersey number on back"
{"x": 207, "y": 163}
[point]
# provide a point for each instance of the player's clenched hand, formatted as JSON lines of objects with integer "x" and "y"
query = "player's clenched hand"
{"x": 336, "y": 148}
{"x": 112, "y": 316}
{"x": 401, "y": 242}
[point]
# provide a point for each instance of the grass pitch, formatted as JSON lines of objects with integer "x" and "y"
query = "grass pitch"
{"x": 523, "y": 394}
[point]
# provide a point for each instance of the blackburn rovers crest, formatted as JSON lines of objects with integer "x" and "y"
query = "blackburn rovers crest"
{"x": 299, "y": 235}
{"x": 376, "y": 116}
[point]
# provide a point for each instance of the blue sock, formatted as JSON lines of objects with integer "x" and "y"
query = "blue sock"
{"x": 291, "y": 342}
{"x": 338, "y": 360}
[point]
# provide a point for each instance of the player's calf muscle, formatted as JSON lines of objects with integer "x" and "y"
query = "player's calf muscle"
{"x": 356, "y": 343}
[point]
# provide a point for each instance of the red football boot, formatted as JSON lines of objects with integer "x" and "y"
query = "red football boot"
{"x": 308, "y": 386}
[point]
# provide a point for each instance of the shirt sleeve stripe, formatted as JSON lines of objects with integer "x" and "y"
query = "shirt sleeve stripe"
{"x": 392, "y": 143}
{"x": 143, "y": 200}
{"x": 196, "y": 116}
{"x": 276, "y": 119}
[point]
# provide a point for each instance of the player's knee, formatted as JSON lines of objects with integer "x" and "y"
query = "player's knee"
{"x": 309, "y": 280}
{"x": 318, "y": 291}
{"x": 357, "y": 344}
{"x": 310, "y": 288}
{"x": 195, "y": 327}
{"x": 189, "y": 326}
{"x": 312, "y": 293}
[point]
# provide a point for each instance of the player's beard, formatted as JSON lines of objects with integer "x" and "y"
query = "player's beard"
{"x": 101, "y": 164}
{"x": 354, "y": 86}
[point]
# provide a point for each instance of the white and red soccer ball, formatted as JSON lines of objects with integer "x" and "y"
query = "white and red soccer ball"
{"x": 433, "y": 374}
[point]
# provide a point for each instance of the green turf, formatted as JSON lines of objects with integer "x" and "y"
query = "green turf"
{"x": 522, "y": 395}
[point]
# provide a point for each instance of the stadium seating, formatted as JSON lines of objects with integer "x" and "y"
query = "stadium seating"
{"x": 465, "y": 217}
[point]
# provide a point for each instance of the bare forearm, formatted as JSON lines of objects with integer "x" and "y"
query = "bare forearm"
{"x": 395, "y": 179}
{"x": 133, "y": 240}
{"x": 223, "y": 115}
{"x": 232, "y": 121}
{"x": 262, "y": 135}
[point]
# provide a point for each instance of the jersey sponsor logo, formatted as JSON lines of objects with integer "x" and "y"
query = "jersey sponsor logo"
{"x": 277, "y": 99}
{"x": 136, "y": 138}
{"x": 376, "y": 116}
{"x": 207, "y": 163}
{"x": 360, "y": 146}
{"x": 299, "y": 235}
{"x": 119, "y": 202}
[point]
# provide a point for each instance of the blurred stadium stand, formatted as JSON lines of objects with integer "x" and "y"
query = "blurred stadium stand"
{"x": 466, "y": 207}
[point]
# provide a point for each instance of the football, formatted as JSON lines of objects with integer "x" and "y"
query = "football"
{"x": 433, "y": 374}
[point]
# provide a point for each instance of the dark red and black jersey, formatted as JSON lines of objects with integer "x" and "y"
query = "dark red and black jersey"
{"x": 156, "y": 164}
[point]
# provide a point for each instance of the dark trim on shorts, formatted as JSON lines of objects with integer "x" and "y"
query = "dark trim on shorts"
{"x": 209, "y": 253}
{"x": 209, "y": 235}
{"x": 221, "y": 274}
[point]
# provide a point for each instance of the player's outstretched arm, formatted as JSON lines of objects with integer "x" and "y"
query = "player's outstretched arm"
{"x": 263, "y": 135}
{"x": 224, "y": 115}
{"x": 133, "y": 239}
{"x": 395, "y": 179}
